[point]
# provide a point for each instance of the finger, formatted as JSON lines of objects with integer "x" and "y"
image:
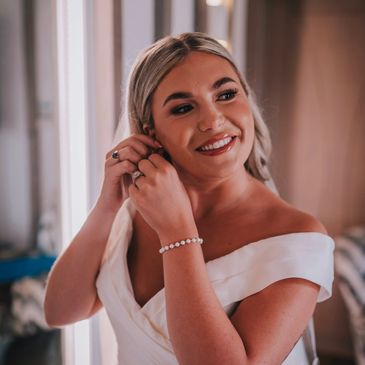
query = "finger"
{"x": 143, "y": 149}
{"x": 158, "y": 144}
{"x": 140, "y": 181}
{"x": 133, "y": 192}
{"x": 126, "y": 153}
{"x": 123, "y": 150}
{"x": 142, "y": 143}
{"x": 147, "y": 167}
{"x": 124, "y": 167}
{"x": 131, "y": 154}
{"x": 158, "y": 161}
{"x": 147, "y": 140}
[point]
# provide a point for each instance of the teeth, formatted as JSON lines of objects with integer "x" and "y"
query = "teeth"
{"x": 216, "y": 145}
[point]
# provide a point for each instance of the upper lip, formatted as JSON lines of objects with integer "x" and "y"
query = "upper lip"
{"x": 216, "y": 138}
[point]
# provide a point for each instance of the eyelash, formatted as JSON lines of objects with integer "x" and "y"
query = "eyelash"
{"x": 179, "y": 109}
{"x": 232, "y": 92}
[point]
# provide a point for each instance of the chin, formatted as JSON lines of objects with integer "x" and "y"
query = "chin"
{"x": 220, "y": 171}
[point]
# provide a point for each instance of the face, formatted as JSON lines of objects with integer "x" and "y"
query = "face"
{"x": 202, "y": 117}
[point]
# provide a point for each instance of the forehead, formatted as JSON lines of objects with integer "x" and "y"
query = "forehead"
{"x": 197, "y": 69}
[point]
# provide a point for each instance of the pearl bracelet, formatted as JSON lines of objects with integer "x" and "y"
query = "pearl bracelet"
{"x": 181, "y": 243}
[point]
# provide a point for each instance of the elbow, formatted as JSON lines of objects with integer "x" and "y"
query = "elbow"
{"x": 55, "y": 315}
{"x": 53, "y": 324}
{"x": 58, "y": 316}
{"x": 52, "y": 318}
{"x": 51, "y": 309}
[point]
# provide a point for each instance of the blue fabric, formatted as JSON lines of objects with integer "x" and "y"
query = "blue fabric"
{"x": 17, "y": 268}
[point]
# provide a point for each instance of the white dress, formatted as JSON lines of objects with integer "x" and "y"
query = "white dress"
{"x": 141, "y": 332}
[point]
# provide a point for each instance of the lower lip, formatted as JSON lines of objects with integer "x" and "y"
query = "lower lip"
{"x": 220, "y": 150}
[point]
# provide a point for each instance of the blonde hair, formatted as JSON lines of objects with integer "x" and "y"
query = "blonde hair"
{"x": 161, "y": 57}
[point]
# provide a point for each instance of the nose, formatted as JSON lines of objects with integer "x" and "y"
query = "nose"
{"x": 210, "y": 119}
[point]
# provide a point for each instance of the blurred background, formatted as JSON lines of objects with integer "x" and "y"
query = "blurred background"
{"x": 63, "y": 68}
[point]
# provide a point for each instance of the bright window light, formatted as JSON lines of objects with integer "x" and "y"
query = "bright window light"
{"x": 215, "y": 2}
{"x": 71, "y": 62}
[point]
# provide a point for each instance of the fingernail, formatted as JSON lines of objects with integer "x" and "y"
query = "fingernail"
{"x": 158, "y": 144}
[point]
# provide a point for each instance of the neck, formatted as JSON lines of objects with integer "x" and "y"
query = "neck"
{"x": 212, "y": 196}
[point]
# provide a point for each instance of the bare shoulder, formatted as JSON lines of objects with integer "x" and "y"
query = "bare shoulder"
{"x": 295, "y": 220}
{"x": 281, "y": 217}
{"x": 309, "y": 223}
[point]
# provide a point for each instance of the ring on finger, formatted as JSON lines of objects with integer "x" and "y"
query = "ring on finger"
{"x": 136, "y": 174}
{"x": 115, "y": 155}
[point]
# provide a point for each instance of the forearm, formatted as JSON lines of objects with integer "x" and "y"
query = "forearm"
{"x": 200, "y": 331}
{"x": 71, "y": 292}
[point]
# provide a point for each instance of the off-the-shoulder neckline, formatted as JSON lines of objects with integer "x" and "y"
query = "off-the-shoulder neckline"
{"x": 249, "y": 246}
{"x": 132, "y": 210}
{"x": 264, "y": 240}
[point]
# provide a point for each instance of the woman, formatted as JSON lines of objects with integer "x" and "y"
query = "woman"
{"x": 198, "y": 157}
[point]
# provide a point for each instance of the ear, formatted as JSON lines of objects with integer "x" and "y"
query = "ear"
{"x": 149, "y": 131}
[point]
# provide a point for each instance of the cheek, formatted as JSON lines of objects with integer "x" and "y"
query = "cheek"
{"x": 160, "y": 135}
{"x": 161, "y": 131}
{"x": 247, "y": 117}
{"x": 173, "y": 136}
{"x": 240, "y": 111}
{"x": 250, "y": 135}
{"x": 169, "y": 140}
{"x": 249, "y": 125}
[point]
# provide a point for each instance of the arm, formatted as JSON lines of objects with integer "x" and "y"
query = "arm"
{"x": 71, "y": 293}
{"x": 265, "y": 326}
{"x": 271, "y": 321}
{"x": 263, "y": 329}
{"x": 198, "y": 327}
{"x": 200, "y": 331}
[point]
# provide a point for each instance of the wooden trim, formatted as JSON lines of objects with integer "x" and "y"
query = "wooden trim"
{"x": 230, "y": 7}
{"x": 29, "y": 51}
{"x": 200, "y": 16}
{"x": 256, "y": 45}
{"x": 162, "y": 18}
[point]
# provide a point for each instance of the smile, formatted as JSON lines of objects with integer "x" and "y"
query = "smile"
{"x": 220, "y": 146}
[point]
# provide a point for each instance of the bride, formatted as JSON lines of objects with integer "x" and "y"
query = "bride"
{"x": 195, "y": 257}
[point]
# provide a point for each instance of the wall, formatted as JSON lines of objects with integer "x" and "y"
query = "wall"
{"x": 46, "y": 123}
{"x": 306, "y": 62}
{"x": 28, "y": 139}
{"x": 15, "y": 161}
{"x": 327, "y": 149}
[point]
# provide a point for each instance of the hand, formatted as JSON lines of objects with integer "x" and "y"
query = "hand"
{"x": 162, "y": 200}
{"x": 117, "y": 171}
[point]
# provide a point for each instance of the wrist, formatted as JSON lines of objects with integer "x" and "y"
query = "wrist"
{"x": 177, "y": 234}
{"x": 107, "y": 209}
{"x": 197, "y": 240}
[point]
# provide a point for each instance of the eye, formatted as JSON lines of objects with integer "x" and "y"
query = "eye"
{"x": 182, "y": 109}
{"x": 228, "y": 94}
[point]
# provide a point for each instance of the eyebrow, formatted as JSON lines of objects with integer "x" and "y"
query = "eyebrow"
{"x": 185, "y": 95}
